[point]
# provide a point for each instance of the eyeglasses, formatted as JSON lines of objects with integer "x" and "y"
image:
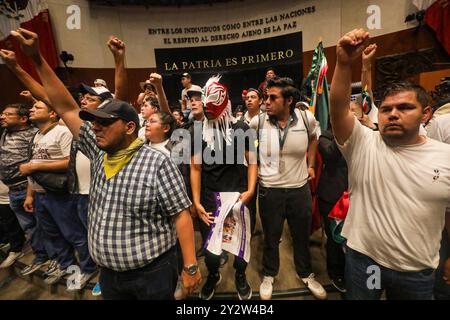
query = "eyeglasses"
{"x": 8, "y": 114}
{"x": 105, "y": 122}
{"x": 150, "y": 122}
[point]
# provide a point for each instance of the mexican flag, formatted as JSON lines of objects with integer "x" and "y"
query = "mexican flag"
{"x": 32, "y": 15}
{"x": 366, "y": 101}
{"x": 317, "y": 80}
{"x": 337, "y": 217}
{"x": 437, "y": 17}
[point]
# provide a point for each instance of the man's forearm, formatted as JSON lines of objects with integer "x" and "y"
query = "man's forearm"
{"x": 342, "y": 120}
{"x": 252, "y": 171}
{"x": 120, "y": 79}
{"x": 162, "y": 99}
{"x": 29, "y": 190}
{"x": 340, "y": 91}
{"x": 312, "y": 150}
{"x": 62, "y": 102}
{"x": 252, "y": 177}
{"x": 185, "y": 231}
{"x": 36, "y": 89}
{"x": 54, "y": 166}
{"x": 366, "y": 77}
{"x": 196, "y": 173}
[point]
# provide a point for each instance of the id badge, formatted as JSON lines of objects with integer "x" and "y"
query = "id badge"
{"x": 281, "y": 165}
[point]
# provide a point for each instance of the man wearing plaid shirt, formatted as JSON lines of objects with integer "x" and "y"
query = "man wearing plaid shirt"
{"x": 137, "y": 200}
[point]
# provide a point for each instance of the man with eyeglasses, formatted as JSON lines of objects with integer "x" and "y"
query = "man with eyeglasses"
{"x": 138, "y": 202}
{"x": 15, "y": 138}
{"x": 285, "y": 136}
{"x": 14, "y": 143}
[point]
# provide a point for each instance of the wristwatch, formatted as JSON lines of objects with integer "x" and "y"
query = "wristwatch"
{"x": 191, "y": 269}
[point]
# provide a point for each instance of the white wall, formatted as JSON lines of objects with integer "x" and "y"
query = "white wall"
{"x": 329, "y": 21}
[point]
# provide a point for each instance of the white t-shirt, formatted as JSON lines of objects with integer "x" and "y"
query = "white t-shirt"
{"x": 247, "y": 119}
{"x": 290, "y": 170}
{"x": 161, "y": 147}
{"x": 439, "y": 128}
{"x": 141, "y": 133}
{"x": 54, "y": 145}
{"x": 398, "y": 197}
{"x": 4, "y": 197}
{"x": 83, "y": 170}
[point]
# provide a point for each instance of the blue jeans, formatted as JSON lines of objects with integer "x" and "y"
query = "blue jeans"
{"x": 40, "y": 245}
{"x": 82, "y": 208}
{"x": 59, "y": 220}
{"x": 156, "y": 281}
{"x": 363, "y": 283}
{"x": 441, "y": 289}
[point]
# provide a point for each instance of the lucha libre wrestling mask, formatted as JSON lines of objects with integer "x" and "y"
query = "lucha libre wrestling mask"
{"x": 215, "y": 98}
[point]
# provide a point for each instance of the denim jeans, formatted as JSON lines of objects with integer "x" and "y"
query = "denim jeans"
{"x": 82, "y": 208}
{"x": 295, "y": 206}
{"x": 366, "y": 280}
{"x": 59, "y": 220}
{"x": 40, "y": 245}
{"x": 156, "y": 281}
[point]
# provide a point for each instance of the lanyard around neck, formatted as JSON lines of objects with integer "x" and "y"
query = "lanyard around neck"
{"x": 281, "y": 139}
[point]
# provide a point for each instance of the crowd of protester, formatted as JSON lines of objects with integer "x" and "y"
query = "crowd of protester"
{"x": 87, "y": 180}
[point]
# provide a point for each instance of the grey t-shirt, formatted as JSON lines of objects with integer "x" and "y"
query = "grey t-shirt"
{"x": 51, "y": 146}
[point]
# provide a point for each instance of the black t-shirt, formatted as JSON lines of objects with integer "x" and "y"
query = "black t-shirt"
{"x": 220, "y": 174}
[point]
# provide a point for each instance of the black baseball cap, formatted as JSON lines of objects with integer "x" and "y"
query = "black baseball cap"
{"x": 186, "y": 75}
{"x": 101, "y": 92}
{"x": 112, "y": 109}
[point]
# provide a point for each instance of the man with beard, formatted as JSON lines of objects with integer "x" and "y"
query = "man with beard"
{"x": 398, "y": 184}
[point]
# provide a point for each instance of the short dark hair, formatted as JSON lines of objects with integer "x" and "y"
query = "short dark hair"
{"x": 153, "y": 101}
{"x": 271, "y": 69}
{"x": 167, "y": 119}
{"x": 260, "y": 95}
{"x": 287, "y": 89}
{"x": 403, "y": 86}
{"x": 23, "y": 110}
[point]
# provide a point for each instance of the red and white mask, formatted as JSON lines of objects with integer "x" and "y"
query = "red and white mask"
{"x": 216, "y": 99}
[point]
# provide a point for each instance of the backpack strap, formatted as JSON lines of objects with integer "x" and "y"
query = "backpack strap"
{"x": 30, "y": 146}
{"x": 305, "y": 122}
